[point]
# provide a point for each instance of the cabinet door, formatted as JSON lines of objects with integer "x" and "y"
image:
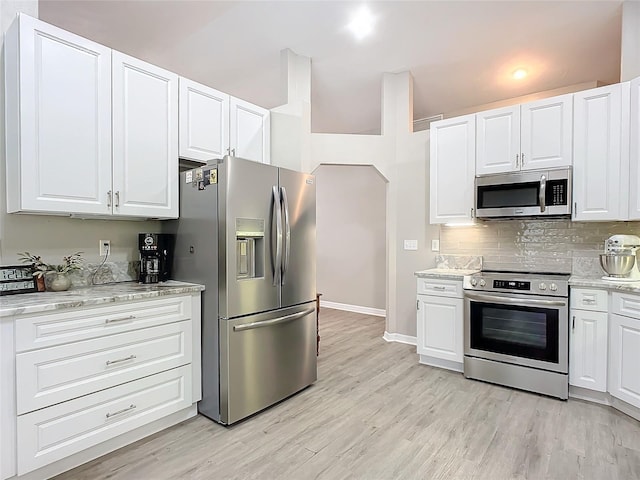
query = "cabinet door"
{"x": 58, "y": 120}
{"x": 597, "y": 154}
{"x": 588, "y": 350}
{"x": 204, "y": 121}
{"x": 145, "y": 139}
{"x": 546, "y": 133}
{"x": 439, "y": 327}
{"x": 250, "y": 131}
{"x": 498, "y": 140}
{"x": 624, "y": 359}
{"x": 634, "y": 157}
{"x": 452, "y": 169}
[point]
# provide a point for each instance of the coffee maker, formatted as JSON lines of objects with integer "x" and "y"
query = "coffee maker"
{"x": 156, "y": 256}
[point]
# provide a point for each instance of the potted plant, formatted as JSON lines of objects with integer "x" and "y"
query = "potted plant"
{"x": 56, "y": 278}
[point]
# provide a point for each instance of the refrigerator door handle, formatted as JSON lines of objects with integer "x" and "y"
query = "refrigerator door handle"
{"x": 277, "y": 262}
{"x": 274, "y": 321}
{"x": 287, "y": 234}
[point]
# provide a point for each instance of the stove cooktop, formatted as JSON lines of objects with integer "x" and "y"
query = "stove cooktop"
{"x": 533, "y": 283}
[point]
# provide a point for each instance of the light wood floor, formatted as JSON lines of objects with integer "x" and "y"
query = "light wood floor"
{"x": 375, "y": 413}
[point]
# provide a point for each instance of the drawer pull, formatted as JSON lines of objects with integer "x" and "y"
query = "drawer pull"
{"x": 436, "y": 287}
{"x": 121, "y": 319}
{"x": 130, "y": 407}
{"x": 588, "y": 301}
{"x": 130, "y": 357}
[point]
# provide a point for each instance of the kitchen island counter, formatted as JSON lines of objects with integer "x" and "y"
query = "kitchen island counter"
{"x": 95, "y": 295}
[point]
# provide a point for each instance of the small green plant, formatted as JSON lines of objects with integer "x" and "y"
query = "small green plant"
{"x": 69, "y": 264}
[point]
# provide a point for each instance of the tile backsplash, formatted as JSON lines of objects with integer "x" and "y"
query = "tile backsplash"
{"x": 535, "y": 244}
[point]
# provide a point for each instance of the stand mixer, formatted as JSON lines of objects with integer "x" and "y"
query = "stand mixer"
{"x": 619, "y": 259}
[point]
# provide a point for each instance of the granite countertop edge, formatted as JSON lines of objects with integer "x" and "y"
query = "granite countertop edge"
{"x": 598, "y": 282}
{"x": 445, "y": 273}
{"x": 28, "y": 303}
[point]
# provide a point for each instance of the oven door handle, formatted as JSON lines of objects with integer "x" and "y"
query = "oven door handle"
{"x": 518, "y": 301}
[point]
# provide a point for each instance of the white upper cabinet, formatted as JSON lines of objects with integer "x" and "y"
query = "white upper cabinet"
{"x": 452, "y": 169}
{"x": 145, "y": 139}
{"x": 634, "y": 177}
{"x": 531, "y": 136}
{"x": 90, "y": 131}
{"x": 249, "y": 131}
{"x": 546, "y": 133}
{"x": 600, "y": 158}
{"x": 498, "y": 140}
{"x": 58, "y": 129}
{"x": 204, "y": 122}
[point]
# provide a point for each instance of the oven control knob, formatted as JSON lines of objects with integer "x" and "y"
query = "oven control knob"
{"x": 474, "y": 282}
{"x": 482, "y": 282}
{"x": 553, "y": 287}
{"x": 542, "y": 286}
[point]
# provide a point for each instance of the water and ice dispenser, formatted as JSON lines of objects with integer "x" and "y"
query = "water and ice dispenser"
{"x": 250, "y": 248}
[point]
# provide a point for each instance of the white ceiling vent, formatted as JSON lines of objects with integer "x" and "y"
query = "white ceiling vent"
{"x": 424, "y": 123}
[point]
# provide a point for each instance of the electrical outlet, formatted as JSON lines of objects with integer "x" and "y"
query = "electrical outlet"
{"x": 105, "y": 247}
{"x": 435, "y": 245}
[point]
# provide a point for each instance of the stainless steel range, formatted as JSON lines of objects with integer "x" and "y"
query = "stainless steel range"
{"x": 516, "y": 330}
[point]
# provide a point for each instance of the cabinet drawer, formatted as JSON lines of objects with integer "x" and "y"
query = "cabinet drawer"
{"x": 72, "y": 325}
{"x": 444, "y": 288}
{"x": 589, "y": 299}
{"x": 626, "y": 304}
{"x": 53, "y": 433}
{"x": 53, "y": 375}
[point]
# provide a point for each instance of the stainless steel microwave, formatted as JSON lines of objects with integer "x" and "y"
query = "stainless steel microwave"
{"x": 524, "y": 194}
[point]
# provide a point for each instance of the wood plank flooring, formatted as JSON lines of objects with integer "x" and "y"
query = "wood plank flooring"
{"x": 375, "y": 413}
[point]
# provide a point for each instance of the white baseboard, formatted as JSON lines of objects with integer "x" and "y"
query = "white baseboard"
{"x": 400, "y": 338}
{"x": 378, "y": 312}
{"x": 441, "y": 363}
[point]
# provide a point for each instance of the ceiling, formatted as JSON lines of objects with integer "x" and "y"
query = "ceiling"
{"x": 460, "y": 53}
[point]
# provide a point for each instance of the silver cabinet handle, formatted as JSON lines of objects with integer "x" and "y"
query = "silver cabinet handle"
{"x": 517, "y": 160}
{"x": 233, "y": 152}
{"x": 130, "y": 357}
{"x": 436, "y": 287}
{"x": 277, "y": 262}
{"x": 109, "y": 198}
{"x": 417, "y": 304}
{"x": 471, "y": 212}
{"x": 588, "y": 301}
{"x": 117, "y": 198}
{"x": 542, "y": 195}
{"x": 130, "y": 407}
{"x": 573, "y": 323}
{"x": 121, "y": 319}
{"x": 275, "y": 321}
{"x": 287, "y": 234}
{"x": 522, "y": 160}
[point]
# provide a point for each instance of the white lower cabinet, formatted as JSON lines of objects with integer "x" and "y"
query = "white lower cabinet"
{"x": 440, "y": 321}
{"x": 588, "y": 350}
{"x": 56, "y": 432}
{"x": 624, "y": 359}
{"x": 87, "y": 375}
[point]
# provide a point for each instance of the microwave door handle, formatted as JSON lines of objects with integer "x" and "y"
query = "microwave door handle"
{"x": 543, "y": 193}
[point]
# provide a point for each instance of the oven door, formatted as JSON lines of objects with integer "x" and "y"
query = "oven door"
{"x": 519, "y": 329}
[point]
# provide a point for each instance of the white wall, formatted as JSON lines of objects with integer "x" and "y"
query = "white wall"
{"x": 54, "y": 237}
{"x": 351, "y": 236}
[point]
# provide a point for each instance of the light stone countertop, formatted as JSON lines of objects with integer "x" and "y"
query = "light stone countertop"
{"x": 86, "y": 296}
{"x": 445, "y": 273}
{"x": 598, "y": 282}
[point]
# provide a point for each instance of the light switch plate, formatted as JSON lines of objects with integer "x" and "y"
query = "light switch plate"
{"x": 435, "y": 245}
{"x": 411, "y": 244}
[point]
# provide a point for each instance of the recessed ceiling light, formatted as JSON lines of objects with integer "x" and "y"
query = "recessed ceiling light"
{"x": 361, "y": 23}
{"x": 519, "y": 74}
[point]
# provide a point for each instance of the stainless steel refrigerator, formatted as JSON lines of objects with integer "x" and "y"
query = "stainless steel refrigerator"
{"x": 247, "y": 231}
